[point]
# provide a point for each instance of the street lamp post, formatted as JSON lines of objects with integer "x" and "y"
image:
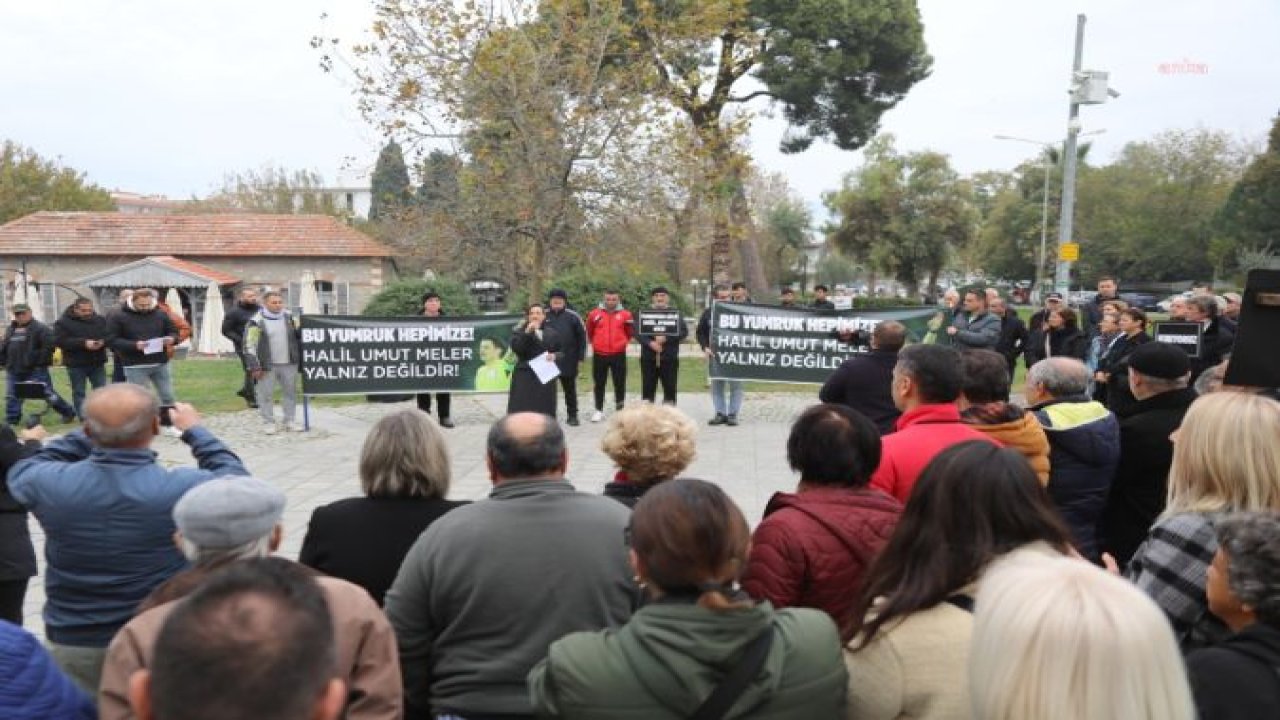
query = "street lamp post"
{"x": 1046, "y": 149}
{"x": 1047, "y": 155}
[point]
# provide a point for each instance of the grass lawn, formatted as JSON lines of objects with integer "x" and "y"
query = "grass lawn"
{"x": 210, "y": 383}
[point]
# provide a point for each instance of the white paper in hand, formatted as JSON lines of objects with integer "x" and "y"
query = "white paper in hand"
{"x": 545, "y": 368}
{"x": 154, "y": 345}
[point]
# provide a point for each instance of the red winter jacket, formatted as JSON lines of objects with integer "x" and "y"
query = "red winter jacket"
{"x": 609, "y": 332}
{"x": 921, "y": 434}
{"x": 813, "y": 548}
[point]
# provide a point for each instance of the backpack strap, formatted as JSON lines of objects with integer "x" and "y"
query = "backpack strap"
{"x": 735, "y": 682}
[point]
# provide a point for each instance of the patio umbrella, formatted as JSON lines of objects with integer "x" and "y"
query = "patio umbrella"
{"x": 211, "y": 341}
{"x": 309, "y": 299}
{"x": 173, "y": 300}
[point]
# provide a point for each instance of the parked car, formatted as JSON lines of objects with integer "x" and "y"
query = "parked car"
{"x": 1143, "y": 301}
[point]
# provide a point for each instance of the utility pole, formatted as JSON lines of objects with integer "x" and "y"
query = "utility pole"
{"x": 1062, "y": 279}
{"x": 1088, "y": 87}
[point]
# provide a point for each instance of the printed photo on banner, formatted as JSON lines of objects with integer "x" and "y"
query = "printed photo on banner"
{"x": 348, "y": 355}
{"x": 796, "y": 345}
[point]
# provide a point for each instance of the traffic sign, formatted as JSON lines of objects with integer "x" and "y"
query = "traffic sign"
{"x": 1069, "y": 252}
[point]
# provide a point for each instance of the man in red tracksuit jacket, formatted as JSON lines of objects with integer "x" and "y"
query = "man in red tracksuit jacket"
{"x": 609, "y": 329}
{"x": 926, "y": 384}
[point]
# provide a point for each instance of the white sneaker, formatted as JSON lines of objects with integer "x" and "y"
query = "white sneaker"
{"x": 293, "y": 427}
{"x": 597, "y": 416}
{"x": 269, "y": 429}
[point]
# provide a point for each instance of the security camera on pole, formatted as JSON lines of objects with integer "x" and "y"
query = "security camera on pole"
{"x": 1088, "y": 87}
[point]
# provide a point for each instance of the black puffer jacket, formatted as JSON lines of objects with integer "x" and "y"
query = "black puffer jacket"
{"x": 573, "y": 338}
{"x": 37, "y": 351}
{"x": 126, "y": 327}
{"x": 70, "y": 332}
{"x": 234, "y": 322}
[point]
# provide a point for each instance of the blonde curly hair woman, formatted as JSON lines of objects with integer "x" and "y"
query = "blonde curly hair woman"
{"x": 649, "y": 443}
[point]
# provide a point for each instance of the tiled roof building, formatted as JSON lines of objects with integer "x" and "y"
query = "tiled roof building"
{"x": 97, "y": 253}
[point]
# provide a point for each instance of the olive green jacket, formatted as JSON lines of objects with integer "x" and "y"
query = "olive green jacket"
{"x": 670, "y": 657}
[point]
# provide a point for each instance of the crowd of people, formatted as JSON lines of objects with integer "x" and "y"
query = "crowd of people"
{"x": 946, "y": 552}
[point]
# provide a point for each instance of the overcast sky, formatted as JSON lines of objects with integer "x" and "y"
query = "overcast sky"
{"x": 167, "y": 97}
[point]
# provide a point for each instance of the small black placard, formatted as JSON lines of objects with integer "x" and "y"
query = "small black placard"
{"x": 1187, "y": 335}
{"x": 660, "y": 322}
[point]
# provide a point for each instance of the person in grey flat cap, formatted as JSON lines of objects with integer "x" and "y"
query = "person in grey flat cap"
{"x": 232, "y": 519}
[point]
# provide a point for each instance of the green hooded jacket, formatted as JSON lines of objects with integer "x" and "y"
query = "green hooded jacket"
{"x": 670, "y": 657}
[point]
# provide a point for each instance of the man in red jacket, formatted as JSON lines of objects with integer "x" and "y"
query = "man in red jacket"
{"x": 609, "y": 329}
{"x": 926, "y": 384}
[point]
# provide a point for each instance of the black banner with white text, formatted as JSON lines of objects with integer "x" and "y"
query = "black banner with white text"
{"x": 797, "y": 345}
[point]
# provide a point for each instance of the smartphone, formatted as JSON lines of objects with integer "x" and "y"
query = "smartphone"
{"x": 165, "y": 419}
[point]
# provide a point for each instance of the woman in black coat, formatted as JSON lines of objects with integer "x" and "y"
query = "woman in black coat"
{"x": 17, "y": 556}
{"x": 405, "y": 473}
{"x": 1063, "y": 337}
{"x": 529, "y": 341}
{"x": 1113, "y": 369}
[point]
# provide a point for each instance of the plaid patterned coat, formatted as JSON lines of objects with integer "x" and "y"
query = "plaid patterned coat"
{"x": 1171, "y": 567}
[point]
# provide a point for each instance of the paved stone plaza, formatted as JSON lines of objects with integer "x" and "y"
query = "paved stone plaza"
{"x": 318, "y": 467}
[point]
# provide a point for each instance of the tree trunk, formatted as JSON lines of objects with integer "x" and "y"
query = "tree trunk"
{"x": 721, "y": 246}
{"x": 740, "y": 223}
{"x": 539, "y": 267}
{"x": 913, "y": 287}
{"x": 683, "y": 229}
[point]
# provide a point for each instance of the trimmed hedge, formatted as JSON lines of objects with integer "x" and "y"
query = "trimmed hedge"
{"x": 586, "y": 286}
{"x": 404, "y": 297}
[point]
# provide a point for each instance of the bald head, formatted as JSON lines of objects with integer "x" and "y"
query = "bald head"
{"x": 121, "y": 415}
{"x": 526, "y": 445}
{"x": 889, "y": 336}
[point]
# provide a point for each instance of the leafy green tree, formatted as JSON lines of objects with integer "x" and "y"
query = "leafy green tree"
{"x": 439, "y": 189}
{"x": 904, "y": 215}
{"x": 30, "y": 183}
{"x": 836, "y": 269}
{"x": 390, "y": 187}
{"x": 1007, "y": 244}
{"x": 1249, "y": 222}
{"x": 1150, "y": 214}
{"x": 404, "y": 297}
{"x": 788, "y": 225}
{"x": 833, "y": 66}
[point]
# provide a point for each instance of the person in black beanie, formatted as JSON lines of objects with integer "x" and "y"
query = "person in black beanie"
{"x": 660, "y": 355}
{"x": 431, "y": 307}
{"x": 568, "y": 325}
